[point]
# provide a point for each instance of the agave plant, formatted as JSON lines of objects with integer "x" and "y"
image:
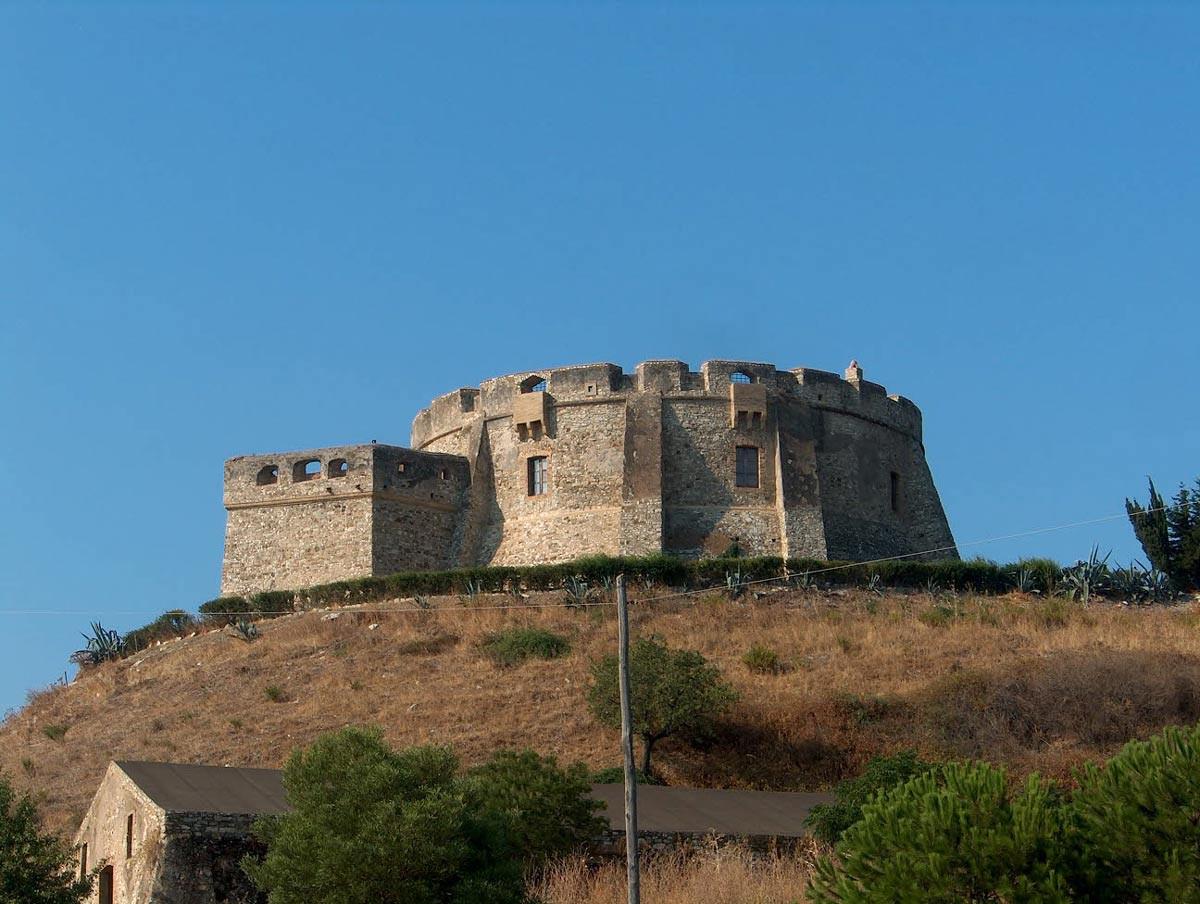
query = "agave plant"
{"x": 577, "y": 591}
{"x": 102, "y": 645}
{"x": 246, "y": 629}
{"x": 735, "y": 583}
{"x": 1024, "y": 580}
{"x": 1083, "y": 579}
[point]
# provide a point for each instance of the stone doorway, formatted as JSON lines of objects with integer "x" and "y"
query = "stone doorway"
{"x": 106, "y": 885}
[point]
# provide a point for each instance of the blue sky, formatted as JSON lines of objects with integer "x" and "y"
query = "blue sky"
{"x": 245, "y": 227}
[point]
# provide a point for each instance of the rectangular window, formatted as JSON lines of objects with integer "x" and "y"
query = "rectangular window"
{"x": 83, "y": 861}
{"x": 895, "y": 492}
{"x": 747, "y": 466}
{"x": 129, "y": 837}
{"x": 537, "y": 475}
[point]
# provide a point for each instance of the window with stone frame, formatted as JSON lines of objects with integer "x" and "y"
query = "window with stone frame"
{"x": 747, "y": 466}
{"x": 537, "y": 475}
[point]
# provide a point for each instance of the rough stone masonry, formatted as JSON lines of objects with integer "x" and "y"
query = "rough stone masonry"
{"x": 550, "y": 465}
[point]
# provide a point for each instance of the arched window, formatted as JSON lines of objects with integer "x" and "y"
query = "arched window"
{"x": 338, "y": 467}
{"x": 308, "y": 469}
{"x": 534, "y": 383}
{"x": 740, "y": 376}
{"x": 267, "y": 475}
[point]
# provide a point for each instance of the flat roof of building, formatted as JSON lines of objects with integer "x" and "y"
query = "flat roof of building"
{"x": 189, "y": 788}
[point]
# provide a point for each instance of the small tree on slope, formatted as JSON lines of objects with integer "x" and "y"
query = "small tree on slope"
{"x": 671, "y": 692}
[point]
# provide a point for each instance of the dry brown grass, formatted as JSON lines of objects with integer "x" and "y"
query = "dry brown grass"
{"x": 731, "y": 876}
{"x": 1016, "y": 680}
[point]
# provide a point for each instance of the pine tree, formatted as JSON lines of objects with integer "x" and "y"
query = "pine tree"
{"x": 1170, "y": 534}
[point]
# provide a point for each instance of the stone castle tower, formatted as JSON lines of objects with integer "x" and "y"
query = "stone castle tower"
{"x": 551, "y": 465}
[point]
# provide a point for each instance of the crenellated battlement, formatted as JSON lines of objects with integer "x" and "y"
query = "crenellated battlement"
{"x": 608, "y": 383}
{"x": 552, "y": 464}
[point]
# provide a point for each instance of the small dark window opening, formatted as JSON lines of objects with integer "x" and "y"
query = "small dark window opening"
{"x": 339, "y": 467}
{"x": 309, "y": 469}
{"x": 747, "y": 466}
{"x": 83, "y": 862}
{"x": 537, "y": 475}
{"x": 129, "y": 836}
{"x": 756, "y": 419}
{"x": 267, "y": 475}
{"x": 402, "y": 467}
{"x": 445, "y": 474}
{"x": 535, "y": 383}
{"x": 740, "y": 376}
{"x": 895, "y": 492}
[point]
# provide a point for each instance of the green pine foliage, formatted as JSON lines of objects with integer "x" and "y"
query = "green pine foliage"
{"x": 545, "y": 809}
{"x": 829, "y": 821}
{"x": 673, "y": 692}
{"x": 949, "y": 836}
{"x": 1138, "y": 823}
{"x": 371, "y": 825}
{"x": 35, "y": 868}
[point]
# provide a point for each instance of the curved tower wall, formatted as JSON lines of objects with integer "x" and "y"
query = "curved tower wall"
{"x": 643, "y": 462}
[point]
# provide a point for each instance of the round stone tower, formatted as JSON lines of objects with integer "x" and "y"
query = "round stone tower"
{"x": 572, "y": 461}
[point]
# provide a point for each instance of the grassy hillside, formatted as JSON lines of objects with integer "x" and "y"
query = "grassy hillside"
{"x": 1031, "y": 683}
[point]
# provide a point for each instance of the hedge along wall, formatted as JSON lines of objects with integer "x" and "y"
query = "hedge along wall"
{"x": 979, "y": 575}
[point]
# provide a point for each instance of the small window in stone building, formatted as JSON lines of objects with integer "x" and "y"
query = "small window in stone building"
{"x": 129, "y": 837}
{"x": 339, "y": 467}
{"x": 83, "y": 861}
{"x": 267, "y": 475}
{"x": 740, "y": 376}
{"x": 537, "y": 475}
{"x": 747, "y": 466}
{"x": 445, "y": 474}
{"x": 534, "y": 383}
{"x": 104, "y": 885}
{"x": 309, "y": 469}
{"x": 895, "y": 489}
{"x": 402, "y": 467}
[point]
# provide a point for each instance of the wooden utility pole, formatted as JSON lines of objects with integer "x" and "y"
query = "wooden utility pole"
{"x": 633, "y": 873}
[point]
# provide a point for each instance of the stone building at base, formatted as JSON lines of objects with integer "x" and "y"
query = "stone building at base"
{"x": 172, "y": 833}
{"x": 551, "y": 465}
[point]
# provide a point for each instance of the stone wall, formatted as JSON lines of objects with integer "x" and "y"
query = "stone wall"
{"x": 201, "y": 860}
{"x": 635, "y": 463}
{"x": 102, "y": 838}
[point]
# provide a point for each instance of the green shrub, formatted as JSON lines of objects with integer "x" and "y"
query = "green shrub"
{"x": 1136, "y": 819}
{"x": 515, "y": 645}
{"x": 272, "y": 603}
{"x": 175, "y": 623}
{"x": 36, "y": 867}
{"x": 762, "y": 660}
{"x": 275, "y": 693}
{"x": 545, "y": 809}
{"x": 224, "y": 610}
{"x": 948, "y": 836}
{"x": 883, "y": 773}
{"x": 55, "y": 732}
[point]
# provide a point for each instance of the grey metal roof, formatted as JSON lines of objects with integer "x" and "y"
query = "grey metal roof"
{"x": 185, "y": 788}
{"x": 703, "y": 810}
{"x": 180, "y": 787}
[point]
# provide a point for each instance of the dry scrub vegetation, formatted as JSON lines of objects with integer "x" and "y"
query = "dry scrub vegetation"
{"x": 731, "y": 876}
{"x": 1034, "y": 684}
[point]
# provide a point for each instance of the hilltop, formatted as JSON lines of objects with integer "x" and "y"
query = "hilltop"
{"x": 1035, "y": 684}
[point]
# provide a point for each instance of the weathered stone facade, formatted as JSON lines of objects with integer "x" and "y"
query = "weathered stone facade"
{"x": 150, "y": 854}
{"x": 555, "y": 464}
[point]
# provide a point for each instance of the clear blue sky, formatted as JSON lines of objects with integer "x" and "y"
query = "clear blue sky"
{"x": 244, "y": 227}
